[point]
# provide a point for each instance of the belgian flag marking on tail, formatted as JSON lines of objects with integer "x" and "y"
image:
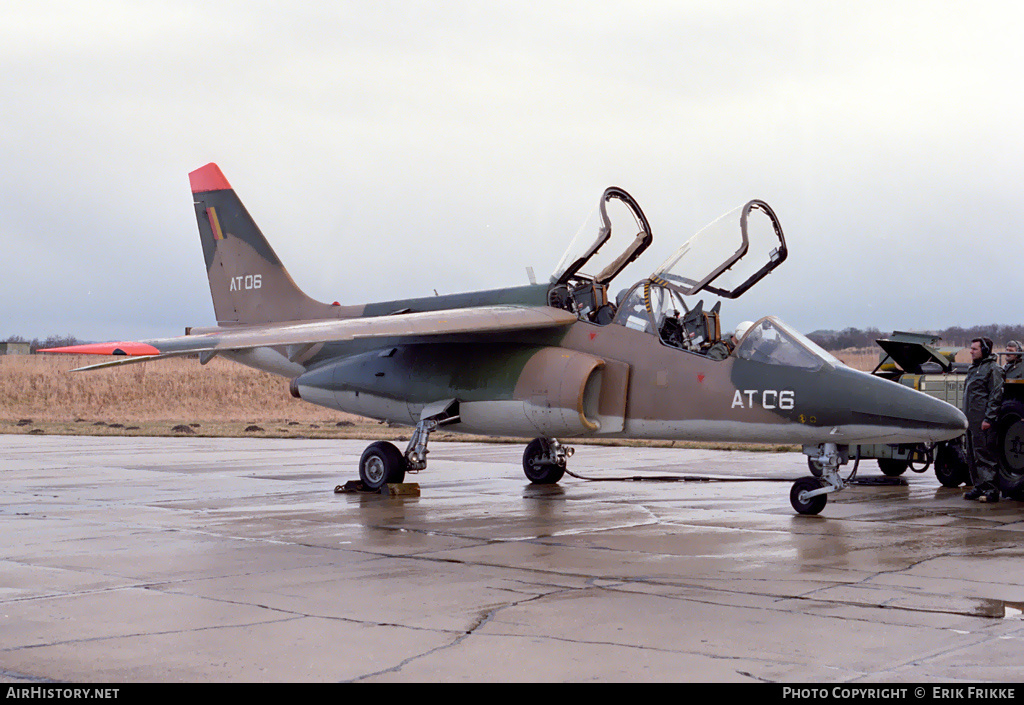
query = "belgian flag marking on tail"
{"x": 211, "y": 213}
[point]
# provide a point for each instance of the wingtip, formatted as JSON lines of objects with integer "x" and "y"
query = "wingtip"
{"x": 122, "y": 348}
{"x": 208, "y": 178}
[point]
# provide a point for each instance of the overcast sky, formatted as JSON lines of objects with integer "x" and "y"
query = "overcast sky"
{"x": 388, "y": 149}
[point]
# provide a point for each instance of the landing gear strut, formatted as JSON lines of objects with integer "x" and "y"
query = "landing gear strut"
{"x": 382, "y": 463}
{"x": 544, "y": 460}
{"x": 810, "y": 494}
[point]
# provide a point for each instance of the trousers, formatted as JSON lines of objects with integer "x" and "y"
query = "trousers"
{"x": 984, "y": 457}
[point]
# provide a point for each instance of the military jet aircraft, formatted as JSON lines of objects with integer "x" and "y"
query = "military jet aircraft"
{"x": 554, "y": 360}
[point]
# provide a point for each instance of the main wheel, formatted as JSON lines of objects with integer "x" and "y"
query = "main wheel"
{"x": 1010, "y": 446}
{"x": 893, "y": 467}
{"x": 812, "y": 505}
{"x": 539, "y": 471}
{"x": 380, "y": 464}
{"x": 951, "y": 464}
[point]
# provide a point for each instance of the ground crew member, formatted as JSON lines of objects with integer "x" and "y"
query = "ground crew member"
{"x": 983, "y": 393}
{"x": 1014, "y": 369}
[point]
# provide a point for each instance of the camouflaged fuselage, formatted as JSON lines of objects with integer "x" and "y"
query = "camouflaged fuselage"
{"x": 610, "y": 381}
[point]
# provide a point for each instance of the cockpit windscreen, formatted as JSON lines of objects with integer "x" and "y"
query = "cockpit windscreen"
{"x": 774, "y": 343}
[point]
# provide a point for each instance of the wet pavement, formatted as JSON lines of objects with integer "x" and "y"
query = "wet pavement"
{"x": 190, "y": 559}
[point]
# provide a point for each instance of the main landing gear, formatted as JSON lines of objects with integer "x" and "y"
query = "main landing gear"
{"x": 544, "y": 460}
{"x": 383, "y": 464}
{"x": 810, "y": 494}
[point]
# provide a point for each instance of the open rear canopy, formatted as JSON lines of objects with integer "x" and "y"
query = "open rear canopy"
{"x": 578, "y": 254}
{"x": 728, "y": 256}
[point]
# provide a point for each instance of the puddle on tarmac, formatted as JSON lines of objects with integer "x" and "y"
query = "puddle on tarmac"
{"x": 999, "y": 609}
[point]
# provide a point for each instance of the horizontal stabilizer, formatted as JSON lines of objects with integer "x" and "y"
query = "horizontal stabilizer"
{"x": 127, "y": 361}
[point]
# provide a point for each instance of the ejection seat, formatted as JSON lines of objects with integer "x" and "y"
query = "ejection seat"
{"x": 697, "y": 330}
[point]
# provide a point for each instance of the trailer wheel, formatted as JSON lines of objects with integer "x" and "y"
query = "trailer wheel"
{"x": 1010, "y": 445}
{"x": 893, "y": 467}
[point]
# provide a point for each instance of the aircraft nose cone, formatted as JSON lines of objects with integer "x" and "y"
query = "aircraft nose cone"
{"x": 944, "y": 420}
{"x": 916, "y": 415}
{"x": 953, "y": 419}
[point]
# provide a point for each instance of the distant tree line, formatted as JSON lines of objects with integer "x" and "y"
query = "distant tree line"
{"x": 54, "y": 341}
{"x": 848, "y": 338}
{"x": 954, "y": 336}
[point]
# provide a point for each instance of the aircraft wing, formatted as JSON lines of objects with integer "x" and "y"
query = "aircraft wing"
{"x": 426, "y": 324}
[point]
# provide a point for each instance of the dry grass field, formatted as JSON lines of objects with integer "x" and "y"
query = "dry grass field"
{"x": 40, "y": 394}
{"x": 858, "y": 358}
{"x": 44, "y": 386}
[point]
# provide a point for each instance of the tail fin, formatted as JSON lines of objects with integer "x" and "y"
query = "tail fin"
{"x": 247, "y": 280}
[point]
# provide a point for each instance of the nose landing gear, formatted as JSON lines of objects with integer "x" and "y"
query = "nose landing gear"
{"x": 810, "y": 494}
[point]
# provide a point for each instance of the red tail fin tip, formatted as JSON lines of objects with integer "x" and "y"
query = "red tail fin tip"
{"x": 208, "y": 178}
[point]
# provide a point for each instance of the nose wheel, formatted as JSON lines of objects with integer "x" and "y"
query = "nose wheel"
{"x": 804, "y": 504}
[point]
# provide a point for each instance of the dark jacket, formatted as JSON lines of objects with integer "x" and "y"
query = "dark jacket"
{"x": 1014, "y": 370}
{"x": 983, "y": 391}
